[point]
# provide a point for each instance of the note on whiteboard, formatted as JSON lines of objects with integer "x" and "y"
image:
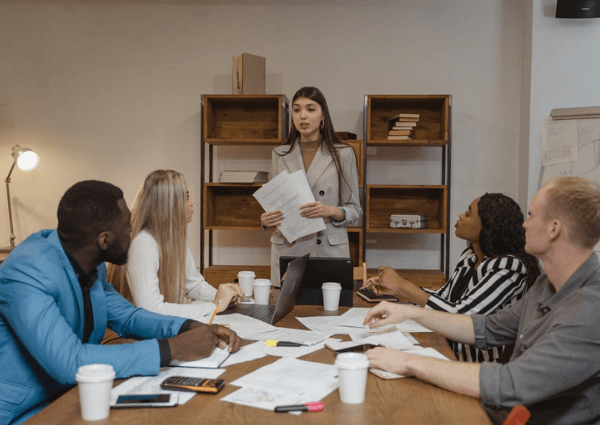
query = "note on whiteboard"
{"x": 559, "y": 140}
{"x": 287, "y": 193}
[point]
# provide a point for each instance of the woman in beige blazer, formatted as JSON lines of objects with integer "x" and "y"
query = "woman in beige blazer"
{"x": 331, "y": 170}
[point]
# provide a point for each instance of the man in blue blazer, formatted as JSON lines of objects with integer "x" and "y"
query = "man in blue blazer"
{"x": 55, "y": 305}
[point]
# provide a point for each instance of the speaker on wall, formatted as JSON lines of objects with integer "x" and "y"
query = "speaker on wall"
{"x": 578, "y": 9}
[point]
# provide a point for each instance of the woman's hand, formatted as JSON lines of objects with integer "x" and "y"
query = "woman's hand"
{"x": 319, "y": 210}
{"x": 389, "y": 283}
{"x": 271, "y": 218}
{"x": 229, "y": 294}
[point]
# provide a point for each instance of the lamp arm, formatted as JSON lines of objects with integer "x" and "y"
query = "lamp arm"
{"x": 12, "y": 232}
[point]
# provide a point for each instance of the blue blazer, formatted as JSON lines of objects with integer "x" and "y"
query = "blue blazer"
{"x": 41, "y": 327}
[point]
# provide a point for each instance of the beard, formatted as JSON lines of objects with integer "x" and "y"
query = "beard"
{"x": 117, "y": 256}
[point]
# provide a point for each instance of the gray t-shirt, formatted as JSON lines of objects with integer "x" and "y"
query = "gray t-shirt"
{"x": 555, "y": 367}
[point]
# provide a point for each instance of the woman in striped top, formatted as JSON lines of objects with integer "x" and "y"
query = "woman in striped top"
{"x": 492, "y": 272}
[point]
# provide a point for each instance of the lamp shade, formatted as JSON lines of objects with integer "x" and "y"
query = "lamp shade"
{"x": 25, "y": 158}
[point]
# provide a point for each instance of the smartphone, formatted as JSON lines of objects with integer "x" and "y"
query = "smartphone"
{"x": 359, "y": 348}
{"x": 147, "y": 400}
{"x": 186, "y": 383}
{"x": 372, "y": 297}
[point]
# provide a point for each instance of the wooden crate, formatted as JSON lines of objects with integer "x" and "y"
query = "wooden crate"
{"x": 432, "y": 128}
{"x": 245, "y": 119}
{"x": 384, "y": 200}
{"x": 231, "y": 206}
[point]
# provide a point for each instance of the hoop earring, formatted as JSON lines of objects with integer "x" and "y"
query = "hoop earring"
{"x": 322, "y": 124}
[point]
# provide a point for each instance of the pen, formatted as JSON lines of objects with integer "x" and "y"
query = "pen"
{"x": 215, "y": 312}
{"x": 313, "y": 406}
{"x": 275, "y": 343}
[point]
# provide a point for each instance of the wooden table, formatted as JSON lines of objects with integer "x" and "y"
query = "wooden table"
{"x": 400, "y": 401}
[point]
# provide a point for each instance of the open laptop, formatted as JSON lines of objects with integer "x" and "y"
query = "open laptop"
{"x": 271, "y": 314}
{"x": 318, "y": 271}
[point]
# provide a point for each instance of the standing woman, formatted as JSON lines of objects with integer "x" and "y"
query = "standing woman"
{"x": 161, "y": 274}
{"x": 331, "y": 170}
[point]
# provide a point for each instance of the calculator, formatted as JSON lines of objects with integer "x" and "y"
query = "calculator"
{"x": 186, "y": 383}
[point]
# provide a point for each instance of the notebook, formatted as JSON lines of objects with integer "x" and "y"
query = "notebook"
{"x": 318, "y": 271}
{"x": 271, "y": 314}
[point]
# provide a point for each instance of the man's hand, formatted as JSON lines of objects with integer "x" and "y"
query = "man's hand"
{"x": 388, "y": 359}
{"x": 386, "y": 313}
{"x": 200, "y": 340}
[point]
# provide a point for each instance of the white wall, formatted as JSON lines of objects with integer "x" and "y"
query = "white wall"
{"x": 565, "y": 73}
{"x": 112, "y": 91}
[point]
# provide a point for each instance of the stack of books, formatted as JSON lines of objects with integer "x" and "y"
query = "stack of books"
{"x": 401, "y": 126}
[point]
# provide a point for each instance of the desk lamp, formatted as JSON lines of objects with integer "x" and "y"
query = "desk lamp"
{"x": 26, "y": 160}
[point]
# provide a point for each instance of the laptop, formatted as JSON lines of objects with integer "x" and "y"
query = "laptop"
{"x": 271, "y": 314}
{"x": 318, "y": 271}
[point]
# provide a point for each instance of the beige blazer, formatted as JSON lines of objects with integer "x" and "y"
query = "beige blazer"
{"x": 323, "y": 180}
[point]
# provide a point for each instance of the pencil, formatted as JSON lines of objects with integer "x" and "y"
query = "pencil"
{"x": 215, "y": 312}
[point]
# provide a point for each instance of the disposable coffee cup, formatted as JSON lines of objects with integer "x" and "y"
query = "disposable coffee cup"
{"x": 352, "y": 371}
{"x": 246, "y": 279}
{"x": 262, "y": 290}
{"x": 95, "y": 382}
{"x": 331, "y": 295}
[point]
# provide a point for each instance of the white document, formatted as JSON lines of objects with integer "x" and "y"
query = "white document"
{"x": 356, "y": 316}
{"x": 325, "y": 324}
{"x": 285, "y": 382}
{"x": 259, "y": 347}
{"x": 216, "y": 358}
{"x": 151, "y": 384}
{"x": 244, "y": 354}
{"x": 391, "y": 338}
{"x": 287, "y": 193}
{"x": 299, "y": 336}
{"x": 245, "y": 326}
{"x": 559, "y": 141}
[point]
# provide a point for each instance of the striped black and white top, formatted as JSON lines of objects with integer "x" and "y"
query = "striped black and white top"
{"x": 497, "y": 282}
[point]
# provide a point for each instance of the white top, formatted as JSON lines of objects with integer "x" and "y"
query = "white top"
{"x": 142, "y": 275}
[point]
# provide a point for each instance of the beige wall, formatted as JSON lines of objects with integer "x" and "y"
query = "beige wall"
{"x": 112, "y": 91}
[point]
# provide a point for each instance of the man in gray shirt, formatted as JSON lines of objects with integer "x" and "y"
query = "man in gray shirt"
{"x": 555, "y": 367}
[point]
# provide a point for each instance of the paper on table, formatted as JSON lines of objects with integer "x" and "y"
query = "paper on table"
{"x": 299, "y": 336}
{"x": 244, "y": 326}
{"x": 287, "y": 194}
{"x": 216, "y": 358}
{"x": 393, "y": 339}
{"x": 295, "y": 352}
{"x": 151, "y": 384}
{"x": 244, "y": 354}
{"x": 284, "y": 382}
{"x": 356, "y": 316}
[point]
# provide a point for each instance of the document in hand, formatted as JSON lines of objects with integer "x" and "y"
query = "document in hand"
{"x": 287, "y": 193}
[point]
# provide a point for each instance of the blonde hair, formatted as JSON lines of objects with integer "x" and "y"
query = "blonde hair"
{"x": 575, "y": 201}
{"x": 160, "y": 207}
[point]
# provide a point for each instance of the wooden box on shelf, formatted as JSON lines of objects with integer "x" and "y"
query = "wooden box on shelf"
{"x": 245, "y": 119}
{"x": 432, "y": 128}
{"x": 385, "y": 200}
{"x": 231, "y": 206}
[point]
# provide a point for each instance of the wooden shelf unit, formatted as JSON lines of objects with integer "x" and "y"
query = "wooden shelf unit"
{"x": 433, "y": 130}
{"x": 246, "y": 120}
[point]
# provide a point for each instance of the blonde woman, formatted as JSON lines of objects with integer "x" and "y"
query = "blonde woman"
{"x": 161, "y": 274}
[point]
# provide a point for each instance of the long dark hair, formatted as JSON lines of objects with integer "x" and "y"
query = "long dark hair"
{"x": 328, "y": 136}
{"x": 502, "y": 231}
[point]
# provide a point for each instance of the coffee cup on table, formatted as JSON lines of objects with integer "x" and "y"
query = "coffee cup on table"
{"x": 352, "y": 374}
{"x": 246, "y": 279}
{"x": 95, "y": 383}
{"x": 331, "y": 295}
{"x": 262, "y": 291}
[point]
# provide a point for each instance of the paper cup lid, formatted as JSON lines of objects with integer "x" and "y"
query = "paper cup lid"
{"x": 246, "y": 273}
{"x": 262, "y": 282}
{"x": 331, "y": 285}
{"x": 352, "y": 361}
{"x": 95, "y": 373}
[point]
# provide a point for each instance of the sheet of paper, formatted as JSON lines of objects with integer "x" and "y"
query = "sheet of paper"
{"x": 294, "y": 352}
{"x": 286, "y": 381}
{"x": 216, "y": 358}
{"x": 244, "y": 354}
{"x": 356, "y": 316}
{"x": 282, "y": 193}
{"x": 325, "y": 324}
{"x": 392, "y": 338}
{"x": 244, "y": 326}
{"x": 151, "y": 384}
{"x": 559, "y": 141}
{"x": 293, "y": 335}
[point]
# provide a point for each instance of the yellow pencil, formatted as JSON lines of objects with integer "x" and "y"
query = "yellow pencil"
{"x": 215, "y": 313}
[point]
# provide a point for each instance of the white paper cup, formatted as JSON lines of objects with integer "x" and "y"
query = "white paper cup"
{"x": 246, "y": 279}
{"x": 262, "y": 290}
{"x": 352, "y": 374}
{"x": 331, "y": 295}
{"x": 95, "y": 383}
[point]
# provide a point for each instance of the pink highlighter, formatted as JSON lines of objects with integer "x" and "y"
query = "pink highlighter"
{"x": 313, "y": 406}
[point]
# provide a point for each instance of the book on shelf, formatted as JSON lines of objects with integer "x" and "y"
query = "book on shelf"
{"x": 399, "y": 138}
{"x": 408, "y": 124}
{"x": 345, "y": 135}
{"x": 404, "y": 118}
{"x": 231, "y": 176}
{"x": 400, "y": 132}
